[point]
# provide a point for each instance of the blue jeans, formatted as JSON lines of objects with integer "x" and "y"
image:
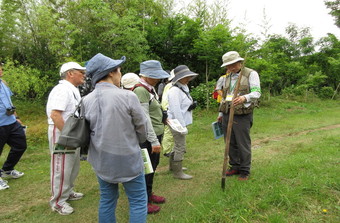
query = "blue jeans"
{"x": 135, "y": 190}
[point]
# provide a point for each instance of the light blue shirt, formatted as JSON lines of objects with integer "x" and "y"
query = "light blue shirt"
{"x": 118, "y": 125}
{"x": 5, "y": 102}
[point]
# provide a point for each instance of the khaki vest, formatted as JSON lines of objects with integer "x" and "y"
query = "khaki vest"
{"x": 244, "y": 89}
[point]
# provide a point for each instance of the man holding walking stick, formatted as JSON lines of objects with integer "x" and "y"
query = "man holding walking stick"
{"x": 246, "y": 98}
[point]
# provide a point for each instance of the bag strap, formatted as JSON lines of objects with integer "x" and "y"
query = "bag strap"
{"x": 150, "y": 91}
{"x": 80, "y": 109}
{"x": 186, "y": 93}
{"x": 141, "y": 85}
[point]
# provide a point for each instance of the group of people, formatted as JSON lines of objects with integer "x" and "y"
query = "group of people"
{"x": 122, "y": 120}
{"x": 125, "y": 115}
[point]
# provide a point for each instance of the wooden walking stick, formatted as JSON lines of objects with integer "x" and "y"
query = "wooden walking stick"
{"x": 229, "y": 129}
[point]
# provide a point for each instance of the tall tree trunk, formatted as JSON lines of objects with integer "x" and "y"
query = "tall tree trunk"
{"x": 336, "y": 91}
{"x": 206, "y": 81}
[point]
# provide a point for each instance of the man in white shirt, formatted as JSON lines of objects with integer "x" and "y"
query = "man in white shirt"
{"x": 61, "y": 103}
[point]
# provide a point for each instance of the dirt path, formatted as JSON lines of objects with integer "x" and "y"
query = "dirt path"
{"x": 257, "y": 143}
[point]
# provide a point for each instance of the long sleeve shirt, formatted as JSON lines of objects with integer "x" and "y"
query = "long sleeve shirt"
{"x": 152, "y": 110}
{"x": 118, "y": 125}
{"x": 179, "y": 102}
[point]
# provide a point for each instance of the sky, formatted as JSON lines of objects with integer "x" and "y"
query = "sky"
{"x": 303, "y": 13}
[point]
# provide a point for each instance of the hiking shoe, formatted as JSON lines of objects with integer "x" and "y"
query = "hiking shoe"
{"x": 153, "y": 209}
{"x": 74, "y": 196}
{"x": 65, "y": 209}
{"x": 243, "y": 177}
{"x": 231, "y": 172}
{"x": 156, "y": 199}
{"x": 3, "y": 184}
{"x": 12, "y": 174}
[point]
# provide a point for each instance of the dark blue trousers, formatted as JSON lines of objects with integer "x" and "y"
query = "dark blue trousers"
{"x": 14, "y": 136}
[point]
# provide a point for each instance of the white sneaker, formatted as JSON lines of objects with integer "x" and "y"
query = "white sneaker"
{"x": 12, "y": 173}
{"x": 3, "y": 184}
{"x": 74, "y": 196}
{"x": 66, "y": 209}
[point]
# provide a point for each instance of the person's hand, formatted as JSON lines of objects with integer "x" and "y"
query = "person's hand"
{"x": 18, "y": 120}
{"x": 239, "y": 100}
{"x": 156, "y": 149}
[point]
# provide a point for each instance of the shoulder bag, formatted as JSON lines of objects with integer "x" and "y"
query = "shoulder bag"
{"x": 76, "y": 131}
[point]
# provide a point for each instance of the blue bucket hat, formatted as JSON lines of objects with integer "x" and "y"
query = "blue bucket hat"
{"x": 99, "y": 66}
{"x": 153, "y": 69}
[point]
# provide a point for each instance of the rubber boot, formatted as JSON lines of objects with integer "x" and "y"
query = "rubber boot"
{"x": 171, "y": 160}
{"x": 178, "y": 172}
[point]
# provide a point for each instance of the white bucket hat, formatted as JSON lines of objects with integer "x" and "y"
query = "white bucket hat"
{"x": 129, "y": 80}
{"x": 230, "y": 58}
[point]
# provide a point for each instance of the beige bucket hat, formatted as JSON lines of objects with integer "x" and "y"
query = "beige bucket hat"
{"x": 230, "y": 58}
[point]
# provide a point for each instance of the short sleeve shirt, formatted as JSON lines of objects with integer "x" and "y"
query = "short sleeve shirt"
{"x": 5, "y": 102}
{"x": 63, "y": 97}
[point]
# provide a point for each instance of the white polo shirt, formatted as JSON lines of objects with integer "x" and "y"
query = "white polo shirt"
{"x": 63, "y": 97}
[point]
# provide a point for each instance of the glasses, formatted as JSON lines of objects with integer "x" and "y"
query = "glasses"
{"x": 80, "y": 71}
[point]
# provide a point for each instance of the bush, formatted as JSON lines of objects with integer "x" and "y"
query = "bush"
{"x": 203, "y": 94}
{"x": 25, "y": 82}
{"x": 326, "y": 92}
{"x": 299, "y": 92}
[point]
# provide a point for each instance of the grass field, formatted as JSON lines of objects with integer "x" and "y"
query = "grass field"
{"x": 295, "y": 172}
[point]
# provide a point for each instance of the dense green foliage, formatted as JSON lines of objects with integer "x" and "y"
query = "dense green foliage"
{"x": 36, "y": 37}
{"x": 335, "y": 10}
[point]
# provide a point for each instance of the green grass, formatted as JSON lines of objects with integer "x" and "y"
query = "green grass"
{"x": 295, "y": 172}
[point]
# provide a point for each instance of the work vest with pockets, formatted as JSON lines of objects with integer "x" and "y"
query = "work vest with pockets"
{"x": 243, "y": 89}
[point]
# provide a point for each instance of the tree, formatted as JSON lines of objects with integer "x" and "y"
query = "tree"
{"x": 266, "y": 25}
{"x": 8, "y": 28}
{"x": 328, "y": 59}
{"x": 334, "y": 6}
{"x": 172, "y": 42}
{"x": 209, "y": 47}
{"x": 209, "y": 13}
